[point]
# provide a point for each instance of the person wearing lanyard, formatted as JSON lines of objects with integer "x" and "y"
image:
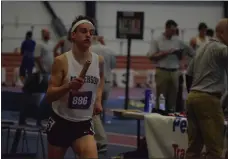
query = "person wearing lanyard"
{"x": 166, "y": 51}
{"x": 206, "y": 83}
{"x": 99, "y": 48}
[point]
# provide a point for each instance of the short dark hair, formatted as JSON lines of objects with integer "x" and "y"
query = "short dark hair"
{"x": 202, "y": 25}
{"x": 210, "y": 32}
{"x": 77, "y": 19}
{"x": 170, "y": 23}
{"x": 28, "y": 34}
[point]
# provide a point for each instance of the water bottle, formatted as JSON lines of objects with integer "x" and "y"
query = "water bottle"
{"x": 162, "y": 102}
{"x": 148, "y": 101}
{"x": 151, "y": 103}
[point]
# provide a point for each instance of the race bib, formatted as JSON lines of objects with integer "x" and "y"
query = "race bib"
{"x": 80, "y": 100}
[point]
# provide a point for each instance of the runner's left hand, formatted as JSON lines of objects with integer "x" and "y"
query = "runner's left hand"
{"x": 97, "y": 108}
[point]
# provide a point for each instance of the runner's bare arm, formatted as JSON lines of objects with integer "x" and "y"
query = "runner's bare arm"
{"x": 101, "y": 84}
{"x": 55, "y": 88}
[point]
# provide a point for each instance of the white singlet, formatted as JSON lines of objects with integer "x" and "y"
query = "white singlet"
{"x": 78, "y": 106}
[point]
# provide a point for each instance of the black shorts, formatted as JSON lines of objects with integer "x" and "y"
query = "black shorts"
{"x": 62, "y": 133}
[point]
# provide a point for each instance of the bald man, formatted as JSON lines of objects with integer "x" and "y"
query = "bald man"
{"x": 44, "y": 55}
{"x": 44, "y": 58}
{"x": 204, "y": 111}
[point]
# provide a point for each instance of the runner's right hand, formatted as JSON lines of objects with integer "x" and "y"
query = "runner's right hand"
{"x": 76, "y": 84}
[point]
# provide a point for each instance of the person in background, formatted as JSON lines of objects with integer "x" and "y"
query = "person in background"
{"x": 64, "y": 45}
{"x": 27, "y": 52}
{"x": 206, "y": 74}
{"x": 44, "y": 55}
{"x": 99, "y": 48}
{"x": 201, "y": 38}
{"x": 224, "y": 99}
{"x": 210, "y": 33}
{"x": 167, "y": 51}
{"x": 44, "y": 58}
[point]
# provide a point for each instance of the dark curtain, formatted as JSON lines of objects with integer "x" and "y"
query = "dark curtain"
{"x": 225, "y": 6}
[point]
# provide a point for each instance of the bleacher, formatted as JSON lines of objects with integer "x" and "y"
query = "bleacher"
{"x": 140, "y": 64}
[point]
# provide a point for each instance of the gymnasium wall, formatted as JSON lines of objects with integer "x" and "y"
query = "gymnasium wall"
{"x": 186, "y": 14}
{"x": 18, "y": 17}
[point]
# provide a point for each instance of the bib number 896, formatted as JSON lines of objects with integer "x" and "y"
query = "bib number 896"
{"x": 80, "y": 100}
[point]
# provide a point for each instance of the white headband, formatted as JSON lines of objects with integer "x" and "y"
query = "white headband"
{"x": 80, "y": 22}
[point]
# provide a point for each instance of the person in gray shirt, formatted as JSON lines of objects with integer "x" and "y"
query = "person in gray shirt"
{"x": 167, "y": 51}
{"x": 204, "y": 111}
{"x": 44, "y": 58}
{"x": 44, "y": 55}
{"x": 99, "y": 48}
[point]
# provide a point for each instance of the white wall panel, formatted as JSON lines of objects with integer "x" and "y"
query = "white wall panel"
{"x": 67, "y": 11}
{"x": 18, "y": 17}
{"x": 24, "y": 12}
{"x": 187, "y": 14}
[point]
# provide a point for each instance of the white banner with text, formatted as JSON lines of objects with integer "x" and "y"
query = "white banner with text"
{"x": 166, "y": 136}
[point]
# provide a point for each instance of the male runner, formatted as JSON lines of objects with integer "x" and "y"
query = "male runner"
{"x": 204, "y": 111}
{"x": 75, "y": 99}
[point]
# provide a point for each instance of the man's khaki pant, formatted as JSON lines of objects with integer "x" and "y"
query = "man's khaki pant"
{"x": 100, "y": 134}
{"x": 205, "y": 125}
{"x": 167, "y": 84}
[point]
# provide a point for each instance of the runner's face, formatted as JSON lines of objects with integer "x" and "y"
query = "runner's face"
{"x": 83, "y": 35}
